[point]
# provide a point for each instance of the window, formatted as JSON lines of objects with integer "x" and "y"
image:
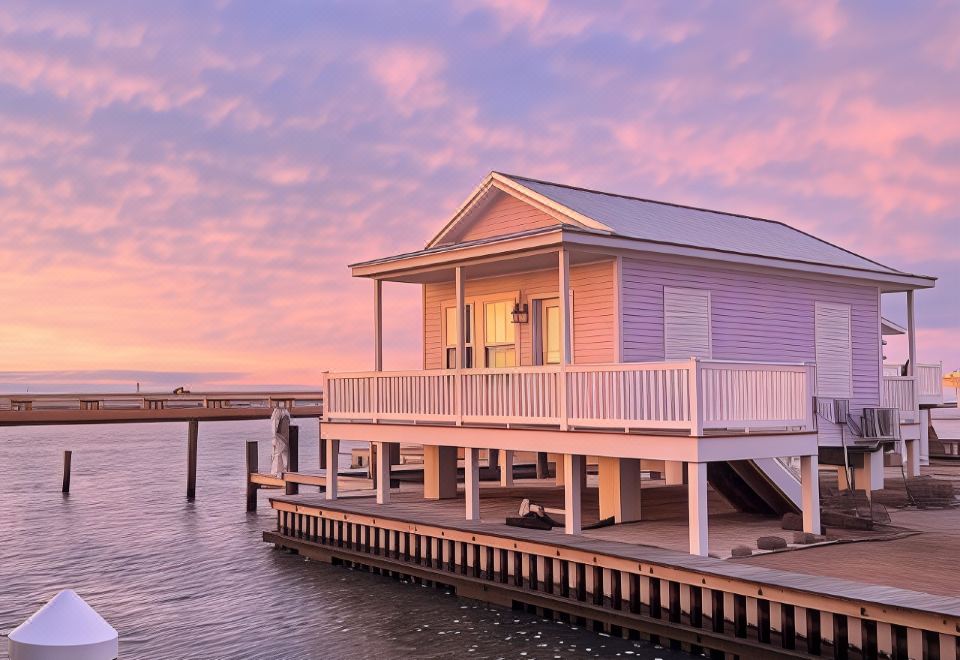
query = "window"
{"x": 551, "y": 332}
{"x": 499, "y": 334}
{"x": 686, "y": 323}
{"x": 834, "y": 351}
{"x": 450, "y": 336}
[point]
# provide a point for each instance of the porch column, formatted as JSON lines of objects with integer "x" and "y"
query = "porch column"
{"x": 333, "y": 456}
{"x": 697, "y": 504}
{"x": 461, "y": 326}
{"x": 810, "y": 498}
{"x": 911, "y": 335}
{"x": 566, "y": 355}
{"x": 619, "y": 488}
{"x": 573, "y": 465}
{"x": 439, "y": 472}
{"x": 377, "y": 325}
{"x": 383, "y": 473}
{"x": 506, "y": 468}
{"x": 471, "y": 482}
{"x": 673, "y": 472}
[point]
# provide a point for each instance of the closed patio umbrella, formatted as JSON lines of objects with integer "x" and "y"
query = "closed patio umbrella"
{"x": 280, "y": 423}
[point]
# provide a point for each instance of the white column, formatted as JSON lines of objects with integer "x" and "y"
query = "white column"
{"x": 333, "y": 457}
{"x": 573, "y": 465}
{"x": 383, "y": 473}
{"x": 506, "y": 468}
{"x": 471, "y": 482}
{"x": 461, "y": 326}
{"x": 558, "y": 475}
{"x": 925, "y": 436}
{"x": 697, "y": 493}
{"x": 566, "y": 355}
{"x": 810, "y": 498}
{"x": 377, "y": 325}
{"x": 911, "y": 334}
{"x": 869, "y": 476}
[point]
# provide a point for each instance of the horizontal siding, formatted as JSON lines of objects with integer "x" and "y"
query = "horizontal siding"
{"x": 504, "y": 215}
{"x": 593, "y": 310}
{"x": 755, "y": 316}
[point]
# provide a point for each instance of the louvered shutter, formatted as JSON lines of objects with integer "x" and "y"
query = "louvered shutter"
{"x": 834, "y": 351}
{"x": 686, "y": 323}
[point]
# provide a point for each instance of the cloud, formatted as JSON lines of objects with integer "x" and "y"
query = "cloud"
{"x": 181, "y": 188}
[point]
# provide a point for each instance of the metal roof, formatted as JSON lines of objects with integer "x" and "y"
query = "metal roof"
{"x": 663, "y": 222}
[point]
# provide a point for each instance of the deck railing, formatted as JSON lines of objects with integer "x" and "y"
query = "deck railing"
{"x": 900, "y": 392}
{"x": 157, "y": 401}
{"x": 690, "y": 395}
{"x": 928, "y": 378}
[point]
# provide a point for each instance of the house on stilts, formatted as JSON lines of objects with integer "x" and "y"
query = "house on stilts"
{"x": 710, "y": 347}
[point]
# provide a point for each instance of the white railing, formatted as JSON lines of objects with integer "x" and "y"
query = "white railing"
{"x": 692, "y": 396}
{"x": 929, "y": 379}
{"x": 900, "y": 392}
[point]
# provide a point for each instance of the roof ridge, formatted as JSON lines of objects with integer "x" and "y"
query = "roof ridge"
{"x": 697, "y": 208}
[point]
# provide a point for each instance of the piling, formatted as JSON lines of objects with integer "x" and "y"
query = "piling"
{"x": 253, "y": 466}
{"x": 193, "y": 428}
{"x": 294, "y": 465}
{"x": 67, "y": 456}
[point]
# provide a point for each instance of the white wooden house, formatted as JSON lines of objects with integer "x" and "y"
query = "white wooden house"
{"x": 643, "y": 333}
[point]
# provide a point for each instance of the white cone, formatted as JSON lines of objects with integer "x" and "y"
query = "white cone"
{"x": 65, "y": 628}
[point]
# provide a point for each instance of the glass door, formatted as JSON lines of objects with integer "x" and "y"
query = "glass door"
{"x": 550, "y": 345}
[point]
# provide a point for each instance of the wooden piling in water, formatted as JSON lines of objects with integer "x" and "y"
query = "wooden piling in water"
{"x": 253, "y": 466}
{"x": 193, "y": 428}
{"x": 294, "y": 466}
{"x": 67, "y": 458}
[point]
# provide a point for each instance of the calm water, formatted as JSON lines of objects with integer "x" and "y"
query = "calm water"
{"x": 180, "y": 579}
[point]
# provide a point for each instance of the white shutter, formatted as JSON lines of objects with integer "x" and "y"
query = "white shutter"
{"x": 686, "y": 323}
{"x": 834, "y": 351}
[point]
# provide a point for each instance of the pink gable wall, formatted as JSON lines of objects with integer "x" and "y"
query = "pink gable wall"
{"x": 754, "y": 316}
{"x": 504, "y": 215}
{"x": 594, "y": 314}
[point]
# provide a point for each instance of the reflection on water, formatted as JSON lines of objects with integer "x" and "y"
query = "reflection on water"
{"x": 180, "y": 579}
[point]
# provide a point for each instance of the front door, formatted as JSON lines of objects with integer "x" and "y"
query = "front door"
{"x": 550, "y": 331}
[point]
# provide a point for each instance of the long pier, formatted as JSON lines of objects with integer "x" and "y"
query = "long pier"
{"x": 154, "y": 407}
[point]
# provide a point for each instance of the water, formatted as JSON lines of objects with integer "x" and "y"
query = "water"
{"x": 182, "y": 579}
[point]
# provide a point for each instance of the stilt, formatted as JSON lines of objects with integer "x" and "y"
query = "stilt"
{"x": 810, "y": 485}
{"x": 294, "y": 465}
{"x": 193, "y": 428}
{"x": 67, "y": 459}
{"x": 439, "y": 472}
{"x": 697, "y": 493}
{"x": 506, "y": 468}
{"x": 924, "y": 436}
{"x": 542, "y": 465}
{"x": 333, "y": 456}
{"x": 253, "y": 466}
{"x": 673, "y": 472}
{"x": 913, "y": 458}
{"x": 558, "y": 470}
{"x": 573, "y": 465}
{"x": 868, "y": 475}
{"x": 619, "y": 488}
{"x": 471, "y": 483}
{"x": 383, "y": 473}
{"x": 493, "y": 458}
{"x": 323, "y": 445}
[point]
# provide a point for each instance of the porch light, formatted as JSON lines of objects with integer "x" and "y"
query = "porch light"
{"x": 520, "y": 314}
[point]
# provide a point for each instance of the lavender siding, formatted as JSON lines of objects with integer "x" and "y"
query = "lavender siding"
{"x": 754, "y": 316}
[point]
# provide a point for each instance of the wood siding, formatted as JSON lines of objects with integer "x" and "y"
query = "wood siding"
{"x": 755, "y": 316}
{"x": 594, "y": 310}
{"x": 504, "y": 215}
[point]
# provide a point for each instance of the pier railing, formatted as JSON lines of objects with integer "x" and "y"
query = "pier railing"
{"x": 689, "y": 396}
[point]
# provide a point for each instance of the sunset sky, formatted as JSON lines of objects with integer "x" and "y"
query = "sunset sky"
{"x": 182, "y": 184}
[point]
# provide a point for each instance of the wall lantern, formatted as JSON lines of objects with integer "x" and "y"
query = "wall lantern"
{"x": 520, "y": 314}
